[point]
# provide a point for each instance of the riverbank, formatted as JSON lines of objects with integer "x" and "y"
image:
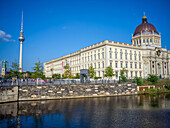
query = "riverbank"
{"x": 46, "y": 92}
{"x": 154, "y": 91}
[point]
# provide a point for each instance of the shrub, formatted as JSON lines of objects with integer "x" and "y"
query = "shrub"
{"x": 139, "y": 81}
{"x": 153, "y": 78}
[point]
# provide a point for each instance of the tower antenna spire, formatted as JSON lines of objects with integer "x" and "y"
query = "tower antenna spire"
{"x": 22, "y": 23}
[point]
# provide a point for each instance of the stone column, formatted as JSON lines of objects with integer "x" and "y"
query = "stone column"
{"x": 156, "y": 67}
{"x": 167, "y": 69}
{"x": 150, "y": 67}
{"x": 163, "y": 67}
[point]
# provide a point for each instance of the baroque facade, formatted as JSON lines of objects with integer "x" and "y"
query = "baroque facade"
{"x": 144, "y": 56}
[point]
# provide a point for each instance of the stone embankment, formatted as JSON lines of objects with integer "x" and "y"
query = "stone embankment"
{"x": 42, "y": 92}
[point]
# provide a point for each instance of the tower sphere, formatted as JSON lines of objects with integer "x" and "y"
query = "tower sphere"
{"x": 21, "y": 38}
{"x": 145, "y": 27}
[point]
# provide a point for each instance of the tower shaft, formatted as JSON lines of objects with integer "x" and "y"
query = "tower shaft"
{"x": 20, "y": 58}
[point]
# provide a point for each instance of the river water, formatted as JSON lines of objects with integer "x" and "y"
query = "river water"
{"x": 144, "y": 111}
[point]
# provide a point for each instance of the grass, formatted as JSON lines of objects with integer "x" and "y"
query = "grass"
{"x": 151, "y": 91}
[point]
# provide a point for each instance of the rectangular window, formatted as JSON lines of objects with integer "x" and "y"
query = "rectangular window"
{"x": 140, "y": 74}
{"x": 139, "y": 58}
{"x": 99, "y": 64}
{"x": 127, "y": 74}
{"x": 110, "y": 55}
{"x": 120, "y": 56}
{"x": 135, "y": 65}
{"x": 94, "y": 65}
{"x": 131, "y": 65}
{"x": 91, "y": 57}
{"x": 140, "y": 65}
{"x": 136, "y": 73}
{"x": 103, "y": 55}
{"x": 126, "y": 51}
{"x": 131, "y": 74}
{"x": 103, "y": 64}
{"x": 110, "y": 64}
{"x": 115, "y": 64}
{"x": 116, "y": 74}
{"x": 130, "y": 57}
{"x": 88, "y": 58}
{"x": 126, "y": 65}
{"x": 95, "y": 57}
{"x": 126, "y": 56}
{"x": 120, "y": 50}
{"x": 99, "y": 56}
{"x": 135, "y": 57}
{"x": 115, "y": 55}
{"x": 99, "y": 73}
{"x": 121, "y": 64}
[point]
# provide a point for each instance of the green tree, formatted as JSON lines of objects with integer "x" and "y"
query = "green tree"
{"x": 122, "y": 74}
{"x": 109, "y": 72}
{"x": 153, "y": 78}
{"x": 14, "y": 70}
{"x": 67, "y": 72}
{"x": 92, "y": 72}
{"x": 38, "y": 70}
{"x": 77, "y": 76}
{"x": 139, "y": 81}
{"x": 57, "y": 76}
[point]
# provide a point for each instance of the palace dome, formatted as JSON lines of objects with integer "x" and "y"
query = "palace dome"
{"x": 145, "y": 27}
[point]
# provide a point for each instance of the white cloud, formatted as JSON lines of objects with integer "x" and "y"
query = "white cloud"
{"x": 5, "y": 37}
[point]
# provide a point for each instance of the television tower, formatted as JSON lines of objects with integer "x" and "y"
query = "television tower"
{"x": 21, "y": 39}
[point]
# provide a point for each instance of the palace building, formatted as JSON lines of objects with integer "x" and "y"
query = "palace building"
{"x": 144, "y": 56}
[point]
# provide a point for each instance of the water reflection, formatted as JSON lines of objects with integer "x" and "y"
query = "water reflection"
{"x": 120, "y": 111}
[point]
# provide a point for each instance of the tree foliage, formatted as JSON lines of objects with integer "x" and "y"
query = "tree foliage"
{"x": 38, "y": 70}
{"x": 14, "y": 70}
{"x": 153, "y": 78}
{"x": 109, "y": 72}
{"x": 77, "y": 76}
{"x": 56, "y": 76}
{"x": 122, "y": 75}
{"x": 92, "y": 72}
{"x": 139, "y": 81}
{"x": 67, "y": 72}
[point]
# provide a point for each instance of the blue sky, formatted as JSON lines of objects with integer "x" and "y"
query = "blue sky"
{"x": 53, "y": 28}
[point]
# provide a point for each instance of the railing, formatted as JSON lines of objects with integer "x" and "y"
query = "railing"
{"x": 60, "y": 82}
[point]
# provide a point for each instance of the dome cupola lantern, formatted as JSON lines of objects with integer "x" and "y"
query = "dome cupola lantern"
{"x": 144, "y": 19}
